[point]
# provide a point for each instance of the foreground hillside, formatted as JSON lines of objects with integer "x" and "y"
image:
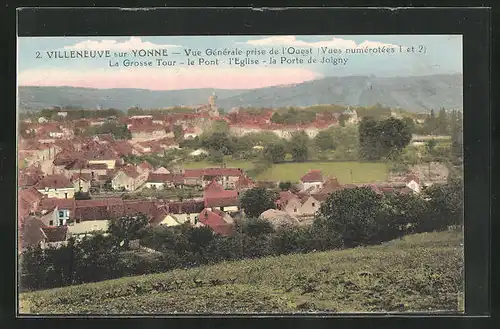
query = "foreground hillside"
{"x": 421, "y": 272}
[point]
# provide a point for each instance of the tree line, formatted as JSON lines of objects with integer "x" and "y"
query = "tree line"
{"x": 348, "y": 218}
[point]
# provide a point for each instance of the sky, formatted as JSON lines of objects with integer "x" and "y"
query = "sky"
{"x": 442, "y": 55}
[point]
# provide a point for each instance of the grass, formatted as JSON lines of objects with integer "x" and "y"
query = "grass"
{"x": 246, "y": 165}
{"x": 420, "y": 272}
{"x": 362, "y": 172}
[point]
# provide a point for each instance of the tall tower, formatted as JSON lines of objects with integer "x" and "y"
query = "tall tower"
{"x": 213, "y": 111}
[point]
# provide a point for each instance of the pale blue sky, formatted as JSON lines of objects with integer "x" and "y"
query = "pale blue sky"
{"x": 443, "y": 55}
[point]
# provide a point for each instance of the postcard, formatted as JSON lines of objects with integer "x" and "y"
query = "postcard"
{"x": 240, "y": 174}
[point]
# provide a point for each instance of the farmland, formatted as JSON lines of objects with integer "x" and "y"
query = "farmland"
{"x": 362, "y": 172}
{"x": 420, "y": 272}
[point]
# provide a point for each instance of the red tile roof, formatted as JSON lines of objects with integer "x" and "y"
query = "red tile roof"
{"x": 244, "y": 182}
{"x": 55, "y": 233}
{"x": 30, "y": 232}
{"x": 193, "y": 173}
{"x": 30, "y": 195}
{"x": 213, "y": 172}
{"x": 215, "y": 222}
{"x": 145, "y": 165}
{"x": 221, "y": 199}
{"x": 313, "y": 175}
{"x": 146, "y": 128}
{"x": 50, "y": 203}
{"x": 130, "y": 171}
{"x": 214, "y": 187}
{"x": 53, "y": 181}
{"x": 160, "y": 178}
{"x": 83, "y": 176}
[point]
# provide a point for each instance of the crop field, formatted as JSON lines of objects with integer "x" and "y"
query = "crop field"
{"x": 362, "y": 172}
{"x": 246, "y": 165}
{"x": 420, "y": 272}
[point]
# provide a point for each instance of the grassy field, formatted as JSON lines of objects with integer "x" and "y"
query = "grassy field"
{"x": 246, "y": 165}
{"x": 418, "y": 273}
{"x": 362, "y": 172}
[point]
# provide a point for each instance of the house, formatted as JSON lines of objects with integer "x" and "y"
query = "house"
{"x": 290, "y": 203}
{"x": 144, "y": 167}
{"x": 191, "y": 133}
{"x": 193, "y": 177}
{"x": 30, "y": 233}
{"x": 215, "y": 197}
{"x": 160, "y": 181}
{"x": 31, "y": 197}
{"x": 413, "y": 183}
{"x": 161, "y": 170}
{"x": 244, "y": 183}
{"x": 81, "y": 182}
{"x": 128, "y": 178}
{"x": 215, "y": 222}
{"x": 310, "y": 205}
{"x": 57, "y": 212}
{"x": 329, "y": 186}
{"x": 104, "y": 155}
{"x": 29, "y": 176}
{"x": 54, "y": 237}
{"x": 56, "y": 186}
{"x": 147, "y": 131}
{"x": 314, "y": 178}
{"x": 227, "y": 177}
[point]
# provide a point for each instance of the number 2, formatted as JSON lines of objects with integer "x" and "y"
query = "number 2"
{"x": 38, "y": 55}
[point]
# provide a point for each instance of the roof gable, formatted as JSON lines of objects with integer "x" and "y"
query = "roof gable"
{"x": 313, "y": 176}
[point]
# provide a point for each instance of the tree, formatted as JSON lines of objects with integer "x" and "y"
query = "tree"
{"x": 178, "y": 133}
{"x": 355, "y": 214}
{"x": 257, "y": 200}
{"x": 324, "y": 140}
{"x": 285, "y": 186}
{"x": 256, "y": 226}
{"x": 275, "y": 152}
{"x": 219, "y": 141}
{"x": 446, "y": 205}
{"x": 430, "y": 145}
{"x": 369, "y": 142}
{"x": 442, "y": 122}
{"x": 127, "y": 228}
{"x": 299, "y": 146}
{"x": 394, "y": 135}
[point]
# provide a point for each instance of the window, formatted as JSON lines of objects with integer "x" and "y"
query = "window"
{"x": 314, "y": 205}
{"x": 294, "y": 209}
{"x": 61, "y": 213}
{"x": 51, "y": 223}
{"x": 65, "y": 195}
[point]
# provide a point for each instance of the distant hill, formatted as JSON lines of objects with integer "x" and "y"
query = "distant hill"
{"x": 411, "y": 93}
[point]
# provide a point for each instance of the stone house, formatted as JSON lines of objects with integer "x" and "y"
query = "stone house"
{"x": 56, "y": 186}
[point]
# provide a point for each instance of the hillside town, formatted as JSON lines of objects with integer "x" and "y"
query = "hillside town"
{"x": 60, "y": 165}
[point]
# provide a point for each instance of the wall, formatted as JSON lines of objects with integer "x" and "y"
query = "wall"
{"x": 109, "y": 163}
{"x": 83, "y": 184}
{"x": 59, "y": 193}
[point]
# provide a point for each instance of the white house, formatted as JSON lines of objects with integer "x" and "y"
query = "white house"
{"x": 313, "y": 179}
{"x": 413, "y": 183}
{"x": 56, "y": 186}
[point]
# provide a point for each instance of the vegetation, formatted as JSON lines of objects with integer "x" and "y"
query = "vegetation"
{"x": 378, "y": 139}
{"x": 422, "y": 272}
{"x": 345, "y": 171}
{"x": 292, "y": 116}
{"x": 257, "y": 200}
{"x": 118, "y": 131}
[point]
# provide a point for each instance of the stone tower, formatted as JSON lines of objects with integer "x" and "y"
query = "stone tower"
{"x": 213, "y": 111}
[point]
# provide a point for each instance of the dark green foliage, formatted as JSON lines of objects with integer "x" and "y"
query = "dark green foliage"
{"x": 324, "y": 140}
{"x": 256, "y": 226}
{"x": 118, "y": 131}
{"x": 127, "y": 228}
{"x": 82, "y": 196}
{"x": 379, "y": 139}
{"x": 299, "y": 146}
{"x": 178, "y": 133}
{"x": 355, "y": 214}
{"x": 275, "y": 152}
{"x": 285, "y": 186}
{"x": 292, "y": 116}
{"x": 257, "y": 200}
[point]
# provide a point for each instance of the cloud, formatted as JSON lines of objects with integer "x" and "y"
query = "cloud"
{"x": 131, "y": 44}
{"x": 334, "y": 43}
{"x": 168, "y": 78}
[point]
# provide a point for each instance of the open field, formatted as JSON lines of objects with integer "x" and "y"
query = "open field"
{"x": 246, "y": 165}
{"x": 421, "y": 272}
{"x": 362, "y": 172}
